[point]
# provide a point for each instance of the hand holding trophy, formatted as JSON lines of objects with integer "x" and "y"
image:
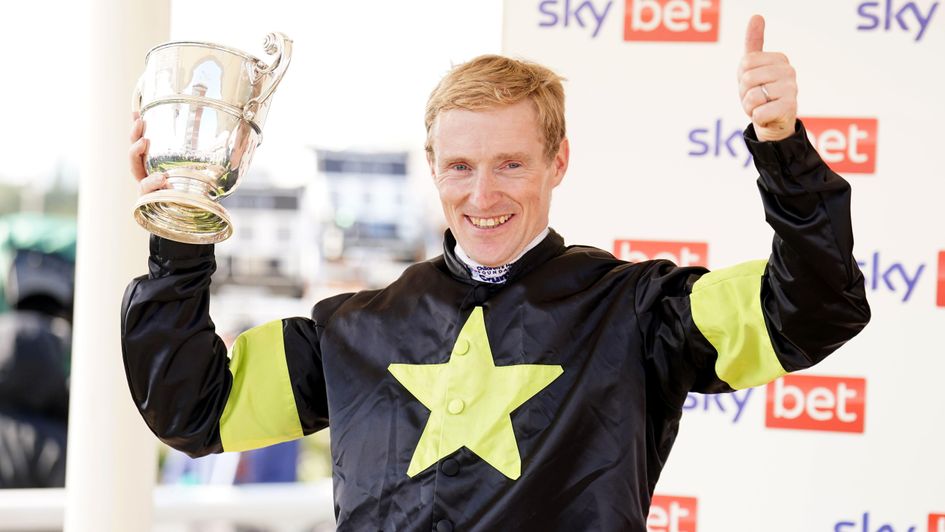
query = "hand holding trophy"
{"x": 204, "y": 106}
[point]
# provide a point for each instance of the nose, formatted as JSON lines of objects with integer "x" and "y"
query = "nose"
{"x": 485, "y": 191}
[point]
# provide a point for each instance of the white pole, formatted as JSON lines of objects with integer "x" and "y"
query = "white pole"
{"x": 111, "y": 461}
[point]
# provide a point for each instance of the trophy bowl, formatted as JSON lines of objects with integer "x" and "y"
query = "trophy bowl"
{"x": 204, "y": 106}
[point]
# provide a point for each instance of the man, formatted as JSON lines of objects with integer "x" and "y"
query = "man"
{"x": 512, "y": 383}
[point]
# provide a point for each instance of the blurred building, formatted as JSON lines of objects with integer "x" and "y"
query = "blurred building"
{"x": 274, "y": 240}
{"x": 371, "y": 226}
{"x": 372, "y": 211}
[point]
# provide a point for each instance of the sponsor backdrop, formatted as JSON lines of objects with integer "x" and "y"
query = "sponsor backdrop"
{"x": 659, "y": 169}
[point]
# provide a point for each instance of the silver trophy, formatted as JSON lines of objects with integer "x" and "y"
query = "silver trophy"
{"x": 204, "y": 106}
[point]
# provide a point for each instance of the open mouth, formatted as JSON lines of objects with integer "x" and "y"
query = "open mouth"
{"x": 489, "y": 223}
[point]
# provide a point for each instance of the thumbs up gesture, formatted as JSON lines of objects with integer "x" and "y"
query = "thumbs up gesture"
{"x": 767, "y": 85}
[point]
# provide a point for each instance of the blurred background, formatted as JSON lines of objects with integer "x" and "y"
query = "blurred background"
{"x": 337, "y": 199}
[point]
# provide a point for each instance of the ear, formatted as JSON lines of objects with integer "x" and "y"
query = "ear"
{"x": 560, "y": 162}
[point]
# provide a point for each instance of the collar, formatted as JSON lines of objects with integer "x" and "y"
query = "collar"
{"x": 551, "y": 246}
{"x": 495, "y": 274}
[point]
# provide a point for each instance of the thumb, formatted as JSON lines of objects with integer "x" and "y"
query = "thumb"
{"x": 755, "y": 36}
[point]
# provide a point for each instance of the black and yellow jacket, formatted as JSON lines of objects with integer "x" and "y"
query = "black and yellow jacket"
{"x": 550, "y": 402}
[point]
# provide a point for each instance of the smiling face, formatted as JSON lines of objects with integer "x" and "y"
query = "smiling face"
{"x": 494, "y": 179}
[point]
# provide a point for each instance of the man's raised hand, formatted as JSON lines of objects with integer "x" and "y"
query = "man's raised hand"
{"x": 139, "y": 147}
{"x": 767, "y": 85}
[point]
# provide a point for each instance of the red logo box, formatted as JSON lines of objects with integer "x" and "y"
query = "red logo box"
{"x": 808, "y": 402}
{"x": 672, "y": 514}
{"x": 681, "y": 253}
{"x": 940, "y": 294}
{"x": 847, "y": 145}
{"x": 671, "y": 20}
{"x": 936, "y": 522}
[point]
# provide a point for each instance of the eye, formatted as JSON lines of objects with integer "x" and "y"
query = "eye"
{"x": 513, "y": 166}
{"x": 460, "y": 167}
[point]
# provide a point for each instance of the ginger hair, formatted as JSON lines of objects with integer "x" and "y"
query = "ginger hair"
{"x": 492, "y": 81}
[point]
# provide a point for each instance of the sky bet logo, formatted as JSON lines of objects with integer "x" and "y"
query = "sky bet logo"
{"x": 672, "y": 514}
{"x": 936, "y": 522}
{"x": 940, "y": 293}
{"x": 796, "y": 402}
{"x": 671, "y": 20}
{"x": 644, "y": 20}
{"x": 710, "y": 402}
{"x": 885, "y": 275}
{"x": 808, "y": 402}
{"x": 896, "y": 16}
{"x": 847, "y": 145}
{"x": 868, "y": 523}
{"x": 681, "y": 253}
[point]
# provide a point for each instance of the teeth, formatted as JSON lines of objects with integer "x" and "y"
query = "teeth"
{"x": 490, "y": 222}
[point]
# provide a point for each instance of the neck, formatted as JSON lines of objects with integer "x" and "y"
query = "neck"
{"x": 495, "y": 274}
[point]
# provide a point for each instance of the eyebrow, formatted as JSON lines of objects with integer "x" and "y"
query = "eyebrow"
{"x": 522, "y": 156}
{"x": 516, "y": 155}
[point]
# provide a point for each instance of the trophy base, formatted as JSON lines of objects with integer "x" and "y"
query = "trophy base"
{"x": 183, "y": 217}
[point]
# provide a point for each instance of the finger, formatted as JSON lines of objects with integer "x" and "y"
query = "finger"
{"x": 137, "y": 129}
{"x": 764, "y": 75}
{"x": 760, "y": 59}
{"x": 752, "y": 99}
{"x": 778, "y": 90}
{"x": 152, "y": 182}
{"x": 136, "y": 158}
{"x": 772, "y": 114}
{"x": 755, "y": 36}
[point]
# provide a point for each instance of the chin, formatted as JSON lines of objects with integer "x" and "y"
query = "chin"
{"x": 488, "y": 250}
{"x": 489, "y": 257}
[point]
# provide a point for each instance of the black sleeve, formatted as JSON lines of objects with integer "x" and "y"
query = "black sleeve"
{"x": 194, "y": 396}
{"x": 751, "y": 323}
{"x": 815, "y": 295}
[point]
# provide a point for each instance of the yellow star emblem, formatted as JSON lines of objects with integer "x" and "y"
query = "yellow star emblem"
{"x": 470, "y": 400}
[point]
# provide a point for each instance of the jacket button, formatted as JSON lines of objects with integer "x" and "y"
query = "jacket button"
{"x": 461, "y": 347}
{"x": 449, "y": 467}
{"x": 456, "y": 406}
{"x": 444, "y": 526}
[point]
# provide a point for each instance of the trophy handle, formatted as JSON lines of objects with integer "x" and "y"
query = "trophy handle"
{"x": 277, "y": 44}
